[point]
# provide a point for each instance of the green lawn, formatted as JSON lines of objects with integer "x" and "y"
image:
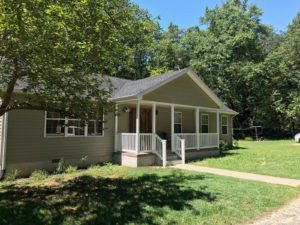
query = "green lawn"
{"x": 276, "y": 158}
{"x": 120, "y": 195}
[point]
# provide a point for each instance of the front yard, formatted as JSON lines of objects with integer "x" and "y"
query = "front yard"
{"x": 150, "y": 195}
{"x": 275, "y": 158}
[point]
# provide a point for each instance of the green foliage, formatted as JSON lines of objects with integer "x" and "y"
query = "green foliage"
{"x": 61, "y": 166}
{"x": 94, "y": 167}
{"x": 39, "y": 175}
{"x": 248, "y": 139}
{"x": 71, "y": 169}
{"x": 64, "y": 49}
{"x": 235, "y": 144}
{"x": 252, "y": 69}
{"x": 84, "y": 158}
{"x": 225, "y": 146}
{"x": 12, "y": 175}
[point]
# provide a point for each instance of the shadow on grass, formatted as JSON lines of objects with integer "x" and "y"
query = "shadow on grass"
{"x": 90, "y": 200}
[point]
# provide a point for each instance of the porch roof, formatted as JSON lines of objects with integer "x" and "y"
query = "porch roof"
{"x": 129, "y": 89}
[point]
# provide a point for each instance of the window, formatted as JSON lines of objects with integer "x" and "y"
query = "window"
{"x": 224, "y": 122}
{"x": 204, "y": 123}
{"x": 57, "y": 126}
{"x": 177, "y": 122}
{"x": 95, "y": 128}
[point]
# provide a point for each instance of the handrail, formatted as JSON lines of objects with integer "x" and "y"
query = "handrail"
{"x": 180, "y": 147}
{"x": 160, "y": 149}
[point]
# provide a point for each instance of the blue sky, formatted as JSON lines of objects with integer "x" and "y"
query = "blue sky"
{"x": 186, "y": 13}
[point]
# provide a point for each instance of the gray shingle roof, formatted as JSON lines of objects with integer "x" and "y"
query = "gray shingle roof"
{"x": 124, "y": 88}
{"x": 132, "y": 88}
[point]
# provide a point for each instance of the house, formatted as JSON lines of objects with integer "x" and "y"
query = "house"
{"x": 160, "y": 119}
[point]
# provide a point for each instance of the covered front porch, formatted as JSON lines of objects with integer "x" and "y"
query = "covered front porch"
{"x": 147, "y": 127}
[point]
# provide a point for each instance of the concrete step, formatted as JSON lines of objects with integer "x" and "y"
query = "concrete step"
{"x": 172, "y": 157}
{"x": 174, "y": 162}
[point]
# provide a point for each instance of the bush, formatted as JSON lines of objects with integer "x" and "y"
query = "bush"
{"x": 38, "y": 175}
{"x": 71, "y": 169}
{"x": 235, "y": 144}
{"x": 92, "y": 167}
{"x": 224, "y": 145}
{"x": 61, "y": 167}
{"x": 249, "y": 139}
{"x": 12, "y": 176}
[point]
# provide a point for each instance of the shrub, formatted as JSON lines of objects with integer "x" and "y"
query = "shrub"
{"x": 38, "y": 175}
{"x": 61, "y": 167}
{"x": 224, "y": 145}
{"x": 84, "y": 158}
{"x": 12, "y": 175}
{"x": 235, "y": 144}
{"x": 92, "y": 167}
{"x": 249, "y": 139}
{"x": 71, "y": 169}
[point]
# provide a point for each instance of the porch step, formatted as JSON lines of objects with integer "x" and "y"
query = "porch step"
{"x": 172, "y": 156}
{"x": 173, "y": 162}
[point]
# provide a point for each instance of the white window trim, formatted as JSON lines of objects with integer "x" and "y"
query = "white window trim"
{"x": 180, "y": 120}
{"x": 66, "y": 130}
{"x": 224, "y": 125}
{"x": 204, "y": 114}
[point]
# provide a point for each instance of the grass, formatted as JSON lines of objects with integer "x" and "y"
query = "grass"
{"x": 275, "y": 158}
{"x": 120, "y": 195}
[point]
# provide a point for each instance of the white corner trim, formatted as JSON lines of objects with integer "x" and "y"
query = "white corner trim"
{"x": 4, "y": 140}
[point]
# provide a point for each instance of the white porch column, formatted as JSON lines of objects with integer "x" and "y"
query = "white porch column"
{"x": 218, "y": 128}
{"x": 153, "y": 126}
{"x": 197, "y": 127}
{"x": 172, "y": 128}
{"x": 116, "y": 128}
{"x": 137, "y": 128}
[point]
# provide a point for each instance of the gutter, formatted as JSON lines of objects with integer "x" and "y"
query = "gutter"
{"x": 3, "y": 145}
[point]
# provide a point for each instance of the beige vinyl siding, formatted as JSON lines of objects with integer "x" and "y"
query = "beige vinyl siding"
{"x": 182, "y": 90}
{"x": 163, "y": 121}
{"x": 212, "y": 121}
{"x": 26, "y": 142}
{"x": 123, "y": 121}
{"x": 188, "y": 120}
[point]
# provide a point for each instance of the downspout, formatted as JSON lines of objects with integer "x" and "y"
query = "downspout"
{"x": 3, "y": 145}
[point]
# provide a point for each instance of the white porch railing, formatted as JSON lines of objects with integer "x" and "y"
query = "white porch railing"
{"x": 190, "y": 140}
{"x": 148, "y": 143}
{"x": 153, "y": 143}
{"x": 126, "y": 142}
{"x": 160, "y": 149}
{"x": 198, "y": 141}
{"x": 208, "y": 140}
{"x": 179, "y": 147}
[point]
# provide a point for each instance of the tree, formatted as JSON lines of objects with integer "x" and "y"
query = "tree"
{"x": 62, "y": 50}
{"x": 283, "y": 68}
{"x": 169, "y": 54}
{"x": 229, "y": 54}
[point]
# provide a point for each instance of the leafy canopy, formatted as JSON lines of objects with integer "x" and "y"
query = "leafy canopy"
{"x": 62, "y": 50}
